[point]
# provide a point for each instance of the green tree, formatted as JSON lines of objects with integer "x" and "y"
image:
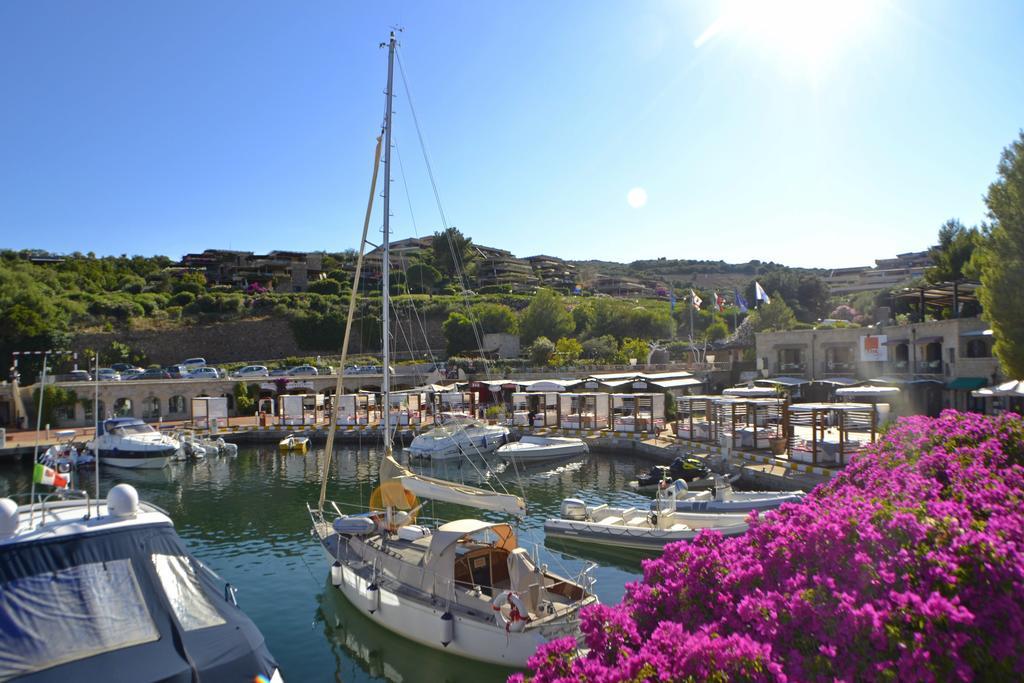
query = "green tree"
{"x": 716, "y": 330}
{"x": 245, "y": 403}
{"x": 600, "y": 349}
{"x": 1001, "y": 260}
{"x": 422, "y": 278}
{"x": 953, "y": 252}
{"x": 325, "y": 286}
{"x": 495, "y": 318}
{"x": 545, "y": 317}
{"x": 451, "y": 251}
{"x": 633, "y": 348}
{"x": 775, "y": 316}
{"x": 541, "y": 350}
{"x": 567, "y": 352}
{"x": 458, "y": 334}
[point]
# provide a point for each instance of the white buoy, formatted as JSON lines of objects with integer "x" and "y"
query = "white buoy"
{"x": 447, "y": 628}
{"x": 8, "y": 518}
{"x": 336, "y": 574}
{"x": 372, "y": 598}
{"x": 123, "y": 501}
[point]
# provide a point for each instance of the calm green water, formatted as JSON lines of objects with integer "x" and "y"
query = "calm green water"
{"x": 246, "y": 518}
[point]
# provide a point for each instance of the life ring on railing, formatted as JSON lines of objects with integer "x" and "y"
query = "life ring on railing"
{"x": 518, "y": 615}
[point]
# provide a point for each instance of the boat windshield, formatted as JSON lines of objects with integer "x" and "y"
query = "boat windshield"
{"x": 128, "y": 430}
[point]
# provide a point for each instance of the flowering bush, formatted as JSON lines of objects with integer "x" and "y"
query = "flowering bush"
{"x": 908, "y": 565}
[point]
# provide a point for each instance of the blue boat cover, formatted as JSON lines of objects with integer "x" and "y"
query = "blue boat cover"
{"x": 128, "y": 604}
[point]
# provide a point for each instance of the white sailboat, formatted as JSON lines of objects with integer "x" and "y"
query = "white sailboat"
{"x": 465, "y": 587}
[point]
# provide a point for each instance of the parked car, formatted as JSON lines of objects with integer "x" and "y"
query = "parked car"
{"x": 279, "y": 372}
{"x": 204, "y": 373}
{"x": 177, "y": 371}
{"x": 302, "y": 370}
{"x": 79, "y": 376}
{"x": 108, "y": 375}
{"x": 131, "y": 372}
{"x": 193, "y": 363}
{"x": 252, "y": 371}
{"x": 153, "y": 373}
{"x": 124, "y": 367}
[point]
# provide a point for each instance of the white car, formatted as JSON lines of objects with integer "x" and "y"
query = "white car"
{"x": 253, "y": 371}
{"x": 204, "y": 373}
{"x": 302, "y": 370}
{"x": 191, "y": 364}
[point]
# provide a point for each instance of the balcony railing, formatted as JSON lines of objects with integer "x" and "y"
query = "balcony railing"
{"x": 798, "y": 366}
{"x": 899, "y": 366}
{"x": 929, "y": 367}
{"x": 840, "y": 366}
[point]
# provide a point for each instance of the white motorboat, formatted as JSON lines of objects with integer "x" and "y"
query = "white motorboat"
{"x": 130, "y": 442}
{"x": 65, "y": 456}
{"x": 638, "y": 528}
{"x": 105, "y": 590}
{"x": 531, "y": 448}
{"x": 457, "y": 438}
{"x": 722, "y": 498}
{"x": 466, "y": 587}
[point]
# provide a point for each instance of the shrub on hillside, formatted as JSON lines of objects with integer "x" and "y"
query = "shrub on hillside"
{"x": 908, "y": 565}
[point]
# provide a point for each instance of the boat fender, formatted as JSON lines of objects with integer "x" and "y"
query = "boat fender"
{"x": 372, "y": 598}
{"x": 336, "y": 574}
{"x": 518, "y": 615}
{"x": 653, "y": 519}
{"x": 447, "y": 629}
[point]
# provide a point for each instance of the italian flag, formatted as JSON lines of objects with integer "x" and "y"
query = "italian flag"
{"x": 51, "y": 477}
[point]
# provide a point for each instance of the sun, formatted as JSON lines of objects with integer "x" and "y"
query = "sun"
{"x": 637, "y": 197}
{"x": 810, "y": 32}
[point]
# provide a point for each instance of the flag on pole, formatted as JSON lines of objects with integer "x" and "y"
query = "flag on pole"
{"x": 741, "y": 303}
{"x": 760, "y": 294}
{"x": 697, "y": 301}
{"x": 672, "y": 300}
{"x": 719, "y": 302}
{"x": 44, "y": 475}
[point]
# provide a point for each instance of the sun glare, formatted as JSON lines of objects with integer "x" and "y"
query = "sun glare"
{"x": 807, "y": 31}
{"x": 637, "y": 197}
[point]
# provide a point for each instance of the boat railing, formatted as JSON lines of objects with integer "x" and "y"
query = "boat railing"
{"x": 45, "y": 502}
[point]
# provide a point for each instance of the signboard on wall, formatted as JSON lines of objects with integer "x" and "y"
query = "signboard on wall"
{"x": 873, "y": 348}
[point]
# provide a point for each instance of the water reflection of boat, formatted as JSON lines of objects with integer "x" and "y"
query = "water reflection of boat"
{"x": 625, "y": 558}
{"x": 380, "y": 654}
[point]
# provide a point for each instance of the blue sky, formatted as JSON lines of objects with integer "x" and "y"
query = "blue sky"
{"x": 808, "y": 136}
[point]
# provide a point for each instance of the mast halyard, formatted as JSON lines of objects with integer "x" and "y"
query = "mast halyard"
{"x": 386, "y": 300}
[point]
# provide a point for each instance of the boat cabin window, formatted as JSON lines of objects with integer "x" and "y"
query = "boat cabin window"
{"x": 485, "y": 567}
{"x": 181, "y": 586}
{"x": 125, "y": 430}
{"x": 61, "y": 616}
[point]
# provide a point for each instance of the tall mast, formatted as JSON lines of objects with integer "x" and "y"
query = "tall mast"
{"x": 385, "y": 300}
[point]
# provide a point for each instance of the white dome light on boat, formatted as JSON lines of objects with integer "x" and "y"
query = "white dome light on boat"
{"x": 123, "y": 501}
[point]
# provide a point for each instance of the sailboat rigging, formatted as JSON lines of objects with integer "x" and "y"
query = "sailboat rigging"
{"x": 465, "y": 587}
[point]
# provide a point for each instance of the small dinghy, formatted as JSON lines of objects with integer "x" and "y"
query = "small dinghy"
{"x": 636, "y": 528}
{"x": 294, "y": 444}
{"x": 723, "y": 499}
{"x": 688, "y": 469}
{"x": 540, "y": 448}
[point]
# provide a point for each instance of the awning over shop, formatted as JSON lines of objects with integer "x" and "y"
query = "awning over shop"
{"x": 977, "y": 333}
{"x": 927, "y": 340}
{"x": 1014, "y": 388}
{"x": 966, "y": 383}
{"x": 895, "y": 342}
{"x": 783, "y": 381}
